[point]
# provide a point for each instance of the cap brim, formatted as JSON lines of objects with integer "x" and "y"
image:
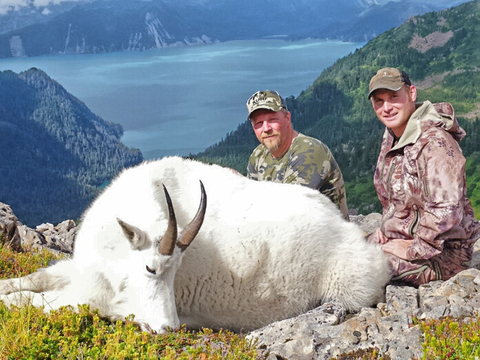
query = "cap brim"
{"x": 383, "y": 87}
{"x": 264, "y": 107}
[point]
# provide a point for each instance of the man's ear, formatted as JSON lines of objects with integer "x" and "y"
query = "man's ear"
{"x": 412, "y": 91}
{"x": 288, "y": 115}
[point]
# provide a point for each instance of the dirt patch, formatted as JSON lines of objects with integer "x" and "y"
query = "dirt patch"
{"x": 432, "y": 40}
{"x": 442, "y": 21}
{"x": 415, "y": 20}
{"x": 430, "y": 81}
{"x": 433, "y": 80}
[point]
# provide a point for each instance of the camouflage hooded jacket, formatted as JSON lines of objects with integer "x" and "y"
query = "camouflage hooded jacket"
{"x": 421, "y": 184}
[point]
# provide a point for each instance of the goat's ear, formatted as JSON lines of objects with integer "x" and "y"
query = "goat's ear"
{"x": 137, "y": 238}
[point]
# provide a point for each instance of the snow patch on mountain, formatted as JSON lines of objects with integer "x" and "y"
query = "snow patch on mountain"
{"x": 156, "y": 30}
{"x": 16, "y": 46}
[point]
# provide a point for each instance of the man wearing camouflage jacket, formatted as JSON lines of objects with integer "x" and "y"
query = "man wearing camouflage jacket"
{"x": 428, "y": 227}
{"x": 286, "y": 156}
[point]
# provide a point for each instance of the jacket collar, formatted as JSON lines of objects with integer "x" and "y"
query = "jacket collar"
{"x": 424, "y": 111}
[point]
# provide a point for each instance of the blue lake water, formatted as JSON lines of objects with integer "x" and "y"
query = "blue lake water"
{"x": 182, "y": 100}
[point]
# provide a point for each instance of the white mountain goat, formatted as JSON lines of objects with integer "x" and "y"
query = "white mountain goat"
{"x": 265, "y": 252}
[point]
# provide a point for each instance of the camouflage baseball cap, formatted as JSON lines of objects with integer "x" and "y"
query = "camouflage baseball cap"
{"x": 388, "y": 78}
{"x": 266, "y": 99}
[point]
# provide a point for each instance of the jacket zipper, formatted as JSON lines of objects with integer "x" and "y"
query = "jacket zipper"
{"x": 425, "y": 188}
{"x": 416, "y": 219}
{"x": 389, "y": 178}
{"x": 417, "y": 271}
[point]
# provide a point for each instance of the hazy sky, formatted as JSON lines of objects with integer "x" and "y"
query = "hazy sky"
{"x": 5, "y": 5}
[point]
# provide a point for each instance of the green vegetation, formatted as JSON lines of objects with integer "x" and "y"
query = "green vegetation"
{"x": 13, "y": 264}
{"x": 28, "y": 333}
{"x": 335, "y": 108}
{"x": 451, "y": 338}
{"x": 446, "y": 339}
{"x": 473, "y": 180}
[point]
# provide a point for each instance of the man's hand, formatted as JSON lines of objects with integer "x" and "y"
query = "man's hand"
{"x": 378, "y": 235}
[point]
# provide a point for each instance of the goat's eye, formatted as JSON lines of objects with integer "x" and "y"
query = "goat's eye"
{"x": 151, "y": 271}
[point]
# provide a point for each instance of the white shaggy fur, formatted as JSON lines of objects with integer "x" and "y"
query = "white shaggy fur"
{"x": 266, "y": 252}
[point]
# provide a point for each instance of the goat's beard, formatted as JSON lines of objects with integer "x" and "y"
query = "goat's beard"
{"x": 274, "y": 143}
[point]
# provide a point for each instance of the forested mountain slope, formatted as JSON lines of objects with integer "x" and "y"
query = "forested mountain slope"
{"x": 54, "y": 152}
{"x": 441, "y": 53}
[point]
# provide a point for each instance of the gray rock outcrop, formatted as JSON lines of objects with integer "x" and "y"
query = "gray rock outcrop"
{"x": 8, "y": 227}
{"x": 59, "y": 238}
{"x": 328, "y": 333}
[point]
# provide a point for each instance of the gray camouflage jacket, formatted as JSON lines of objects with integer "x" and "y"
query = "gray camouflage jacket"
{"x": 308, "y": 162}
{"x": 421, "y": 185}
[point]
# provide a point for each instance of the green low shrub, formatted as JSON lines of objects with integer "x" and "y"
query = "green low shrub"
{"x": 451, "y": 338}
{"x": 29, "y": 333}
{"x": 16, "y": 264}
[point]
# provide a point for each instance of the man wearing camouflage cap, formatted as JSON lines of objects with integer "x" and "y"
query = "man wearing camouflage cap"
{"x": 428, "y": 227}
{"x": 286, "y": 156}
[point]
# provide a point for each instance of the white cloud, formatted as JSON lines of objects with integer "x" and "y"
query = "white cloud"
{"x": 47, "y": 2}
{"x": 8, "y": 5}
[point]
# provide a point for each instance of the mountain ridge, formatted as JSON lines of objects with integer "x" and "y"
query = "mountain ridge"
{"x": 109, "y": 25}
{"x": 55, "y": 152}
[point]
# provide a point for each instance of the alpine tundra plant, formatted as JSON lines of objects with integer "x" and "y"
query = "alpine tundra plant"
{"x": 29, "y": 333}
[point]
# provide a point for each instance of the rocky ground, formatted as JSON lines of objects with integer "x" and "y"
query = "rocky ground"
{"x": 328, "y": 331}
{"x": 59, "y": 238}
